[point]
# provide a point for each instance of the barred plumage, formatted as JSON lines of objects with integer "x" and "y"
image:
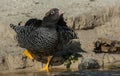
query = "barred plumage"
{"x": 46, "y": 38}
{"x": 42, "y": 39}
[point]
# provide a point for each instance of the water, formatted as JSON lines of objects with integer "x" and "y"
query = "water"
{"x": 29, "y": 74}
{"x": 77, "y": 73}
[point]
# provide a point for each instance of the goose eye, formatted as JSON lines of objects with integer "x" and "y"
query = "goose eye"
{"x": 52, "y": 12}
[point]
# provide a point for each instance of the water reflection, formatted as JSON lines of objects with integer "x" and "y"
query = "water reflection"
{"x": 77, "y": 73}
{"x": 30, "y": 74}
{"x": 25, "y": 74}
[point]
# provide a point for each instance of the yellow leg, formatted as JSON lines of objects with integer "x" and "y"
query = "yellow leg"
{"x": 28, "y": 54}
{"x": 46, "y": 68}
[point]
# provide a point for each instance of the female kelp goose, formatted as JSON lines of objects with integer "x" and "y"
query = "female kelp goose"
{"x": 46, "y": 39}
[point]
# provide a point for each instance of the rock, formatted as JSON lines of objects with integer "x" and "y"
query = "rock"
{"x": 89, "y": 63}
{"x": 103, "y": 45}
{"x": 105, "y": 61}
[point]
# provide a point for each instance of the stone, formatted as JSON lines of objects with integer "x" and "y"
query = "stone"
{"x": 103, "y": 45}
{"x": 89, "y": 63}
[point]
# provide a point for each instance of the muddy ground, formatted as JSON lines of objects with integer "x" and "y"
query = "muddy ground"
{"x": 90, "y": 18}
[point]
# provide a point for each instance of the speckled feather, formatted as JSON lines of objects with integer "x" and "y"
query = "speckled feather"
{"x": 44, "y": 38}
{"x": 35, "y": 39}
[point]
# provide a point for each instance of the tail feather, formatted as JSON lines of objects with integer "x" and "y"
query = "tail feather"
{"x": 12, "y": 26}
{"x": 16, "y": 28}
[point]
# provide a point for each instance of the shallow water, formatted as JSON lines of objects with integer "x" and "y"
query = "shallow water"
{"x": 28, "y": 74}
{"x": 77, "y": 73}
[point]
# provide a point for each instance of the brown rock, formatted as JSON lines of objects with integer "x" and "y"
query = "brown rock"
{"x": 103, "y": 45}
